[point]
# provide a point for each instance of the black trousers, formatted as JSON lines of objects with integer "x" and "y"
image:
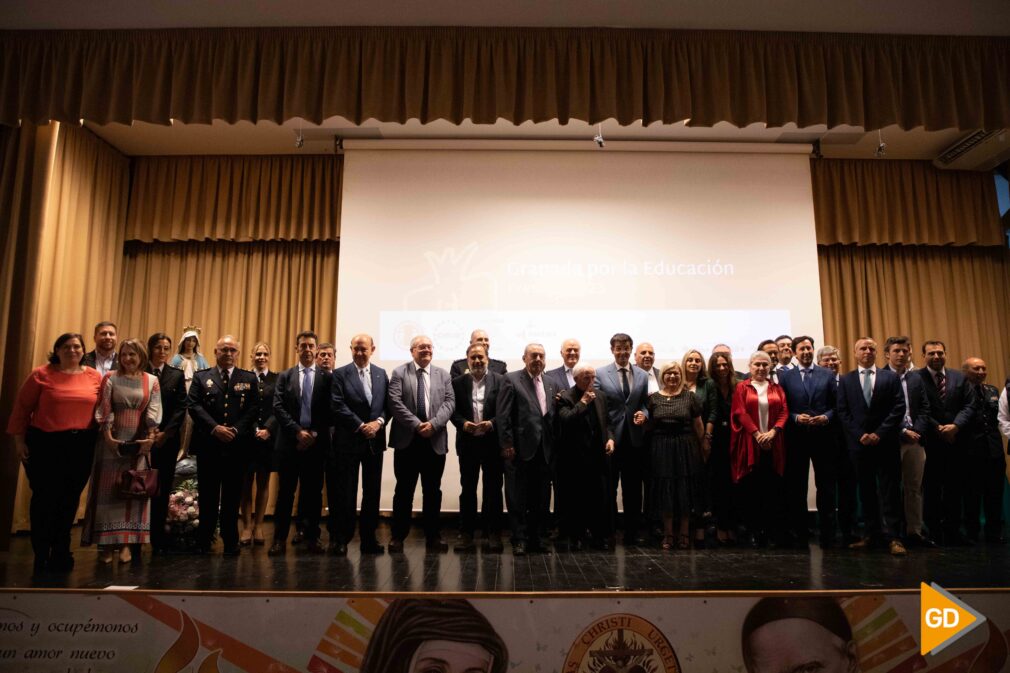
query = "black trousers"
{"x": 418, "y": 459}
{"x": 304, "y": 467}
{"x": 219, "y": 476}
{"x": 878, "y": 471}
{"x": 342, "y": 494}
{"x": 582, "y": 486}
{"x": 835, "y": 478}
{"x": 163, "y": 458}
{"x": 58, "y": 468}
{"x": 525, "y": 483}
{"x": 483, "y": 457}
{"x": 629, "y": 467}
{"x": 801, "y": 443}
{"x": 985, "y": 478}
{"x": 942, "y": 483}
{"x": 725, "y": 496}
{"x": 764, "y": 497}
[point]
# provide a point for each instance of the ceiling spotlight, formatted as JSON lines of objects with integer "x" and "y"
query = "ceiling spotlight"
{"x": 815, "y": 149}
{"x": 881, "y": 146}
{"x": 598, "y": 138}
{"x": 299, "y": 139}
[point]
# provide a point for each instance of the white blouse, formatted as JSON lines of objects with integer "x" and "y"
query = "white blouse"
{"x": 762, "y": 391}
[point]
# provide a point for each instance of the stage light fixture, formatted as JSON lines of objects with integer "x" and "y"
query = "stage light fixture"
{"x": 299, "y": 139}
{"x": 598, "y": 138}
{"x": 881, "y": 146}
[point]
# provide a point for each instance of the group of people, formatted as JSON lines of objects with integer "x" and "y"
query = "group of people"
{"x": 693, "y": 445}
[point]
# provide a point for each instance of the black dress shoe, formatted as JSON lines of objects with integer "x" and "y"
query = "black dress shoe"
{"x": 297, "y": 539}
{"x": 232, "y": 550}
{"x": 494, "y": 544}
{"x": 61, "y": 563}
{"x": 577, "y": 545}
{"x": 276, "y": 549}
{"x": 314, "y": 547}
{"x": 436, "y": 545}
{"x": 641, "y": 540}
{"x": 464, "y": 544}
{"x": 372, "y": 547}
{"x": 395, "y": 546}
{"x": 519, "y": 548}
{"x": 917, "y": 540}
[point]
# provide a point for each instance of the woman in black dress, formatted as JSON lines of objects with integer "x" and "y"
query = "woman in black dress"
{"x": 724, "y": 496}
{"x": 678, "y": 468}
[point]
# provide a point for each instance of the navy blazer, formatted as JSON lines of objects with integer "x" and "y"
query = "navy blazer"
{"x": 173, "y": 399}
{"x": 288, "y": 407}
{"x": 462, "y": 388}
{"x": 958, "y": 407}
{"x": 882, "y": 417}
{"x": 918, "y": 404}
{"x": 521, "y": 425}
{"x": 558, "y": 376}
{"x": 351, "y": 408}
{"x": 210, "y": 405}
{"x": 622, "y": 411}
{"x": 816, "y": 398}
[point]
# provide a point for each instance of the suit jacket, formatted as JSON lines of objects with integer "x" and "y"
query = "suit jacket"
{"x": 351, "y": 408}
{"x": 575, "y": 430}
{"x": 403, "y": 403}
{"x": 287, "y": 403}
{"x": 882, "y": 417}
{"x": 460, "y": 367}
{"x": 958, "y": 407}
{"x": 622, "y": 411}
{"x": 522, "y": 426}
{"x": 173, "y": 399}
{"x": 816, "y": 397}
{"x": 558, "y": 376}
{"x": 90, "y": 359}
{"x": 211, "y": 405}
{"x": 462, "y": 388}
{"x": 918, "y": 410}
{"x": 265, "y": 417}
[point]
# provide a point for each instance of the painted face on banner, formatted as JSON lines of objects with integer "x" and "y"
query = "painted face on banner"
{"x": 449, "y": 656}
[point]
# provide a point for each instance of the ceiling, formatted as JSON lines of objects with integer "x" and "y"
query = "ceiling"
{"x": 966, "y": 17}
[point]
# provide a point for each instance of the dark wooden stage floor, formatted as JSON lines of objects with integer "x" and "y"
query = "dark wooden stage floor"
{"x": 625, "y": 569}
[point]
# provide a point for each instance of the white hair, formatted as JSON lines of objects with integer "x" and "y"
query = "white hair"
{"x": 413, "y": 342}
{"x": 581, "y": 369}
{"x": 759, "y": 355}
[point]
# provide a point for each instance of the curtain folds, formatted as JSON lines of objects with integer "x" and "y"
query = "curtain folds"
{"x": 263, "y": 291}
{"x": 872, "y": 202}
{"x": 237, "y": 198}
{"x": 517, "y": 74}
{"x": 958, "y": 295}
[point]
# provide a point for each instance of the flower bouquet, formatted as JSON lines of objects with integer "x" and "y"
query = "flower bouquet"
{"x": 183, "y": 515}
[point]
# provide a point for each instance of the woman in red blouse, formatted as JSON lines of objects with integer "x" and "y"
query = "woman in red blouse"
{"x": 757, "y": 449}
{"x": 53, "y": 424}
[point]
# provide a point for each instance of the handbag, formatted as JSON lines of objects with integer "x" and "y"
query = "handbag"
{"x": 137, "y": 483}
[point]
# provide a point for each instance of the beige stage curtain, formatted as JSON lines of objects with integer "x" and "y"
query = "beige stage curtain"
{"x": 958, "y": 295}
{"x": 76, "y": 251}
{"x": 517, "y": 74}
{"x": 235, "y": 198}
{"x": 873, "y": 202}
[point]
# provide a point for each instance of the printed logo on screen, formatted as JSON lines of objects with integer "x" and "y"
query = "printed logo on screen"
{"x": 621, "y": 643}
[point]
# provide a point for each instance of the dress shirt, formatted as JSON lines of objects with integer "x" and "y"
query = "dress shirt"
{"x": 104, "y": 365}
{"x": 365, "y": 374}
{"x": 873, "y": 376}
{"x": 264, "y": 372}
{"x": 229, "y": 371}
{"x": 762, "y": 391}
{"x": 569, "y": 377}
{"x": 620, "y": 378}
{"x": 1003, "y": 415}
{"x": 158, "y": 371}
{"x": 653, "y": 383}
{"x": 426, "y": 382}
{"x": 904, "y": 388}
{"x": 477, "y": 399}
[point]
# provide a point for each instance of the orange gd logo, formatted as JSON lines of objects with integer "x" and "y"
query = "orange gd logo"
{"x": 621, "y": 643}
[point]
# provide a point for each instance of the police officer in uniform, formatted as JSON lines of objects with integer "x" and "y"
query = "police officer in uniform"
{"x": 223, "y": 403}
{"x": 985, "y": 472}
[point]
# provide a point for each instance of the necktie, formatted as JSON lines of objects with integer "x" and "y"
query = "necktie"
{"x": 366, "y": 383}
{"x": 224, "y": 379}
{"x": 805, "y": 376}
{"x": 263, "y": 378}
{"x": 867, "y": 385}
{"x": 305, "y": 419}
{"x": 157, "y": 373}
{"x": 624, "y": 384}
{"x": 541, "y": 396}
{"x": 941, "y": 385}
{"x": 422, "y": 405}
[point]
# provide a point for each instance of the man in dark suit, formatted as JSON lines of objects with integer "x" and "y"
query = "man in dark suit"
{"x": 166, "y": 440}
{"x": 986, "y": 469}
{"x": 478, "y": 337}
{"x": 952, "y": 406}
{"x": 626, "y": 389}
{"x": 564, "y": 376}
{"x": 478, "y": 450}
{"x": 302, "y": 409}
{"x": 811, "y": 398}
{"x": 526, "y": 430}
{"x": 359, "y": 414}
{"x": 421, "y": 402}
{"x": 222, "y": 402}
{"x": 870, "y": 406}
{"x": 915, "y": 427}
{"x": 585, "y": 444}
{"x": 103, "y": 357}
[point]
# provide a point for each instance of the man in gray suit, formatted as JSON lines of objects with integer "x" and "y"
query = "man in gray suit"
{"x": 564, "y": 376}
{"x": 421, "y": 401}
{"x": 526, "y": 423}
{"x": 626, "y": 388}
{"x": 645, "y": 359}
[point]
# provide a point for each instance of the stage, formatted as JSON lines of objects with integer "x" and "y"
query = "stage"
{"x": 623, "y": 569}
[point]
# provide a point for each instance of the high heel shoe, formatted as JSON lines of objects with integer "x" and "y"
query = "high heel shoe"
{"x": 667, "y": 542}
{"x": 105, "y": 557}
{"x": 258, "y": 540}
{"x": 124, "y": 555}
